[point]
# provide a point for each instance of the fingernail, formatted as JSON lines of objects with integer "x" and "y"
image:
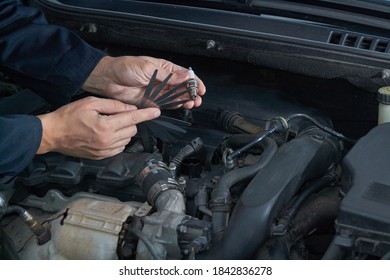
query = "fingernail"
{"x": 157, "y": 113}
{"x": 131, "y": 107}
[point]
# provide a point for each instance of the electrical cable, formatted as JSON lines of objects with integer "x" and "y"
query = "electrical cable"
{"x": 280, "y": 125}
{"x": 320, "y": 126}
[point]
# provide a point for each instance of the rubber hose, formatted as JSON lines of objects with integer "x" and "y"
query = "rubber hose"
{"x": 221, "y": 192}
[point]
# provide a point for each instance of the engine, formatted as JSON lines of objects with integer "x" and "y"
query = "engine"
{"x": 213, "y": 184}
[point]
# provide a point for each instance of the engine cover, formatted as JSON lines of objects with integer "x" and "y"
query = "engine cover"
{"x": 363, "y": 222}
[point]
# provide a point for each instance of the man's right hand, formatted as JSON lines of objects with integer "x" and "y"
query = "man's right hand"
{"x": 92, "y": 127}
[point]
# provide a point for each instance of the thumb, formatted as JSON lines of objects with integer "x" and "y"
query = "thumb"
{"x": 110, "y": 106}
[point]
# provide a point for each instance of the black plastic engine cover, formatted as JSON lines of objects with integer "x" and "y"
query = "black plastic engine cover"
{"x": 117, "y": 171}
{"x": 115, "y": 176}
{"x": 363, "y": 221}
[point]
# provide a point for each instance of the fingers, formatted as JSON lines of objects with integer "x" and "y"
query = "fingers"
{"x": 109, "y": 151}
{"x": 126, "y": 129}
{"x": 92, "y": 127}
{"x": 196, "y": 103}
{"x": 110, "y": 106}
{"x": 99, "y": 154}
{"x": 125, "y": 78}
{"x": 130, "y": 118}
{"x": 180, "y": 74}
{"x": 183, "y": 76}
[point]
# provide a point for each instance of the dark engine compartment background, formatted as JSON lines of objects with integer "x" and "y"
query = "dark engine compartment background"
{"x": 258, "y": 93}
{"x": 242, "y": 87}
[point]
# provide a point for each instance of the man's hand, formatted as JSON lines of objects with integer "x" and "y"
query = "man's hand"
{"x": 125, "y": 78}
{"x": 92, "y": 127}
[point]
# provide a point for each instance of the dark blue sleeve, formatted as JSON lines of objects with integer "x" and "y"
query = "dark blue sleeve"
{"x": 20, "y": 137}
{"x": 51, "y": 60}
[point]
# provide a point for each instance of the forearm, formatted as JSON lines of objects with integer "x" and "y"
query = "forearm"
{"x": 48, "y": 59}
{"x": 20, "y": 137}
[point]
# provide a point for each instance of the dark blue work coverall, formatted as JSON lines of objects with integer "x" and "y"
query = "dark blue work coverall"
{"x": 48, "y": 59}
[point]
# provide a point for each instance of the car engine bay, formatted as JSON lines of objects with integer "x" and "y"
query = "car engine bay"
{"x": 273, "y": 165}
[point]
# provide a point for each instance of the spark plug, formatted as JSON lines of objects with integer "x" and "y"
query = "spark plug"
{"x": 192, "y": 84}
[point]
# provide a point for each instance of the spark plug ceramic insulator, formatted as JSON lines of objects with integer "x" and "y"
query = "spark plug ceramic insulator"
{"x": 192, "y": 84}
{"x": 383, "y": 98}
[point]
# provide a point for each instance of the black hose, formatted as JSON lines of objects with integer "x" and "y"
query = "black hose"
{"x": 295, "y": 163}
{"x": 13, "y": 209}
{"x": 135, "y": 148}
{"x": 316, "y": 215}
{"x": 234, "y": 122}
{"x": 312, "y": 188}
{"x": 260, "y": 137}
{"x": 148, "y": 243}
{"x": 220, "y": 196}
{"x": 194, "y": 146}
{"x": 286, "y": 219}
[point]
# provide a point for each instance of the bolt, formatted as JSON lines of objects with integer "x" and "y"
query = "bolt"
{"x": 181, "y": 181}
{"x": 172, "y": 169}
{"x": 385, "y": 74}
{"x": 210, "y": 44}
{"x": 183, "y": 229}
